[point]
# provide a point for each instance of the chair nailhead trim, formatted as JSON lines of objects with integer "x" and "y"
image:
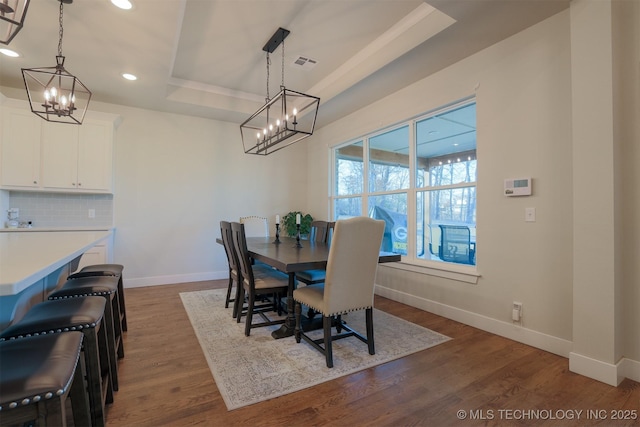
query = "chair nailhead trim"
{"x": 57, "y": 331}
{"x": 35, "y": 399}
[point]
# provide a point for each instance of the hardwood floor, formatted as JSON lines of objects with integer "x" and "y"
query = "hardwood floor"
{"x": 165, "y": 380}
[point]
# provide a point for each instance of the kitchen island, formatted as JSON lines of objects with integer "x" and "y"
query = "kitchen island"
{"x": 32, "y": 262}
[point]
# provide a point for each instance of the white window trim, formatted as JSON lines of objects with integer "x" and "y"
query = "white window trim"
{"x": 459, "y": 273}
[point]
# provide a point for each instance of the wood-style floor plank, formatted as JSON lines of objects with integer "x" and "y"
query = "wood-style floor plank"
{"x": 165, "y": 380}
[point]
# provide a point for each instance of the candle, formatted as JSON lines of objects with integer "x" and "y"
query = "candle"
{"x": 277, "y": 219}
{"x": 297, "y": 219}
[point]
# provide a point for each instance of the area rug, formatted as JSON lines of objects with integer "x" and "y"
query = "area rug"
{"x": 252, "y": 369}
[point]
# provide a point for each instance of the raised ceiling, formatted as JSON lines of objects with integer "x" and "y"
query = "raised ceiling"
{"x": 205, "y": 57}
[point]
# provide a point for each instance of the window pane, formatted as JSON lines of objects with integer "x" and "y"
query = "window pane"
{"x": 446, "y": 148}
{"x": 350, "y": 171}
{"x": 445, "y": 207}
{"x": 347, "y": 208}
{"x": 389, "y": 160}
{"x": 392, "y": 209}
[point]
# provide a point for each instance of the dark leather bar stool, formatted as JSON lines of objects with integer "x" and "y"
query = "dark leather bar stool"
{"x": 106, "y": 287}
{"x": 107, "y": 270}
{"x": 75, "y": 314}
{"x": 37, "y": 375}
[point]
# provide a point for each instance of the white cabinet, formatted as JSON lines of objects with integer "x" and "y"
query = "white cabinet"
{"x": 77, "y": 157}
{"x": 95, "y": 255}
{"x": 48, "y": 156}
{"x": 20, "y": 154}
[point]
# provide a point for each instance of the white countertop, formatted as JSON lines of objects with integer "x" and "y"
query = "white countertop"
{"x": 38, "y": 229}
{"x": 25, "y": 258}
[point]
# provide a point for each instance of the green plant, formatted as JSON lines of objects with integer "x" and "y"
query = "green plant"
{"x": 289, "y": 223}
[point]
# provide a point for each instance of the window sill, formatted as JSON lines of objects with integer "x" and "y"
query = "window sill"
{"x": 460, "y": 273}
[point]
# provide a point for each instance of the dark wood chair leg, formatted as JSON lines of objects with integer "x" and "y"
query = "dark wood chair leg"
{"x": 369, "y": 321}
{"x": 298, "y": 313}
{"x": 328, "y": 347}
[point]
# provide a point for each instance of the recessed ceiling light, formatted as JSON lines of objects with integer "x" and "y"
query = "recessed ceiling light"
{"x": 9, "y": 52}
{"x": 129, "y": 76}
{"x": 122, "y": 4}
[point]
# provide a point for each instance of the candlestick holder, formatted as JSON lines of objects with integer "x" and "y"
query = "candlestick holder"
{"x": 277, "y": 241}
{"x": 298, "y": 245}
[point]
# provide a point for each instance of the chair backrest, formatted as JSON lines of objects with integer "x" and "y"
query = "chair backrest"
{"x": 318, "y": 231}
{"x": 227, "y": 242}
{"x": 240, "y": 246}
{"x": 352, "y": 265}
{"x": 455, "y": 244}
{"x": 255, "y": 226}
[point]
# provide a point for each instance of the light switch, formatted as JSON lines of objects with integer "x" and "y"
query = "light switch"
{"x": 530, "y": 214}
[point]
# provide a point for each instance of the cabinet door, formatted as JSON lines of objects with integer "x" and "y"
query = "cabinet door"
{"x": 93, "y": 256}
{"x": 95, "y": 156}
{"x": 59, "y": 155}
{"x": 20, "y": 148}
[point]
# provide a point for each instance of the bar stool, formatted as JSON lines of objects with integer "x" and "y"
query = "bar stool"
{"x": 37, "y": 375}
{"x": 75, "y": 314}
{"x": 106, "y": 287}
{"x": 107, "y": 270}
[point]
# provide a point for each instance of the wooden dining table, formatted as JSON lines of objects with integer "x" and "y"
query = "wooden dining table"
{"x": 290, "y": 259}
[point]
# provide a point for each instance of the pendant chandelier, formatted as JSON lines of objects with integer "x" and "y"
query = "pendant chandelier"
{"x": 286, "y": 118}
{"x": 12, "y": 14}
{"x": 55, "y": 94}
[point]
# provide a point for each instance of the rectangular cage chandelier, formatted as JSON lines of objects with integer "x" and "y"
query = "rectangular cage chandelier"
{"x": 12, "y": 15}
{"x": 288, "y": 117}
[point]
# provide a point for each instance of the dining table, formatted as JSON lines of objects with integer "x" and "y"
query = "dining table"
{"x": 291, "y": 256}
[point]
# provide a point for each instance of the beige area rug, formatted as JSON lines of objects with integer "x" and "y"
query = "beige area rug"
{"x": 252, "y": 369}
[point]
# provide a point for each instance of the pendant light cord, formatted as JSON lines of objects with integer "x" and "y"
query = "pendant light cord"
{"x": 60, "y": 32}
{"x": 282, "y": 84}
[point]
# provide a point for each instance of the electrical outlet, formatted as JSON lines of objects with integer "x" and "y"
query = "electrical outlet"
{"x": 516, "y": 314}
{"x": 92, "y": 213}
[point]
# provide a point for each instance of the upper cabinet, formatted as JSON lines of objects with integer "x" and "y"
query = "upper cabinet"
{"x": 20, "y": 149}
{"x": 48, "y": 156}
{"x": 77, "y": 157}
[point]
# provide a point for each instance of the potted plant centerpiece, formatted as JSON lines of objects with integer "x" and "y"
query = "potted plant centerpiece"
{"x": 289, "y": 224}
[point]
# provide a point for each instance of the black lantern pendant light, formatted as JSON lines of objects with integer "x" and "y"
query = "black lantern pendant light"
{"x": 286, "y": 118}
{"x": 55, "y": 94}
{"x": 12, "y": 14}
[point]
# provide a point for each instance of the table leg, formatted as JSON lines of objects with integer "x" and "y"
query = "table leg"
{"x": 286, "y": 330}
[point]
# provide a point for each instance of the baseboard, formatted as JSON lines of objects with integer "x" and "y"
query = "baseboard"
{"x": 630, "y": 369}
{"x": 607, "y": 373}
{"x": 173, "y": 279}
{"x": 509, "y": 330}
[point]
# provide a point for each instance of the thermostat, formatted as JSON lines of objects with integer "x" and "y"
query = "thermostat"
{"x": 517, "y": 187}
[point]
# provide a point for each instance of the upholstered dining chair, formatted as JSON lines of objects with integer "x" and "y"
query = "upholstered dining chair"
{"x": 234, "y": 271}
{"x": 348, "y": 286}
{"x": 255, "y": 226}
{"x": 257, "y": 281}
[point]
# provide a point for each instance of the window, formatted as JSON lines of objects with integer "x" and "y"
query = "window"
{"x": 420, "y": 178}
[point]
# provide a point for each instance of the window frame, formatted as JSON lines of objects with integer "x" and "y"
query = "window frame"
{"x": 409, "y": 262}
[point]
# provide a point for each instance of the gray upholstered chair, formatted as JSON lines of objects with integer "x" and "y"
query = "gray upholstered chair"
{"x": 255, "y": 226}
{"x": 258, "y": 281}
{"x": 348, "y": 286}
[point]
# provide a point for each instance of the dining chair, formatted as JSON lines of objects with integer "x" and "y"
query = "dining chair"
{"x": 255, "y": 226}
{"x": 257, "y": 281}
{"x": 234, "y": 271}
{"x": 348, "y": 286}
{"x": 321, "y": 231}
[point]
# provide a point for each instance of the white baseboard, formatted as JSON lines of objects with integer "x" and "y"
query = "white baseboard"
{"x": 509, "y": 330}
{"x": 173, "y": 279}
{"x": 630, "y": 369}
{"x": 598, "y": 370}
{"x": 607, "y": 373}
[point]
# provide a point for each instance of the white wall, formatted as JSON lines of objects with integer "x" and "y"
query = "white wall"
{"x": 523, "y": 88}
{"x": 177, "y": 177}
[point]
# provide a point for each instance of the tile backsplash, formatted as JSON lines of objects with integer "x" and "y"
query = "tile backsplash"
{"x": 61, "y": 210}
